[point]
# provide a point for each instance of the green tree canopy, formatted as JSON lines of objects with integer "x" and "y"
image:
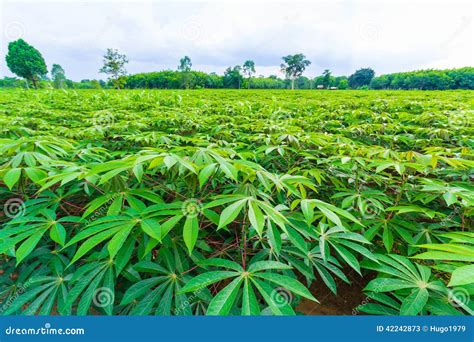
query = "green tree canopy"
{"x": 294, "y": 66}
{"x": 114, "y": 66}
{"x": 232, "y": 77}
{"x": 25, "y": 61}
{"x": 326, "y": 78}
{"x": 248, "y": 69}
{"x": 59, "y": 76}
{"x": 185, "y": 64}
{"x": 185, "y": 68}
{"x": 361, "y": 77}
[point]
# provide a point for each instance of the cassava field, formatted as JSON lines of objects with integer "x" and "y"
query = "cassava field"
{"x": 236, "y": 202}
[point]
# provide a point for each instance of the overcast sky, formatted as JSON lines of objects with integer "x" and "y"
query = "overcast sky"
{"x": 341, "y": 36}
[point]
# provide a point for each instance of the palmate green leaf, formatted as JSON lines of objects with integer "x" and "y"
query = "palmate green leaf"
{"x": 250, "y": 305}
{"x": 205, "y": 279}
{"x": 58, "y": 233}
{"x": 275, "y": 301}
{"x": 444, "y": 256}
{"x": 222, "y": 303}
{"x": 190, "y": 232}
{"x": 140, "y": 288}
{"x": 224, "y": 263}
{"x": 267, "y": 265}
{"x": 166, "y": 302}
{"x": 297, "y": 240}
{"x": 118, "y": 240}
{"x": 463, "y": 275}
{"x": 328, "y": 210}
{"x": 256, "y": 217}
{"x": 229, "y": 214}
{"x": 152, "y": 228}
{"x": 205, "y": 173}
{"x": 25, "y": 298}
{"x": 288, "y": 283}
{"x": 450, "y": 198}
{"x": 39, "y": 295}
{"x": 11, "y": 177}
{"x": 415, "y": 302}
{"x": 28, "y": 245}
{"x": 274, "y": 237}
{"x": 94, "y": 241}
{"x": 150, "y": 267}
{"x": 387, "y": 285}
{"x": 347, "y": 257}
{"x": 182, "y": 306}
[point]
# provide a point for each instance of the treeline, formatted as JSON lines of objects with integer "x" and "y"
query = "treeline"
{"x": 462, "y": 78}
{"x": 170, "y": 79}
{"x": 13, "y": 82}
{"x": 27, "y": 62}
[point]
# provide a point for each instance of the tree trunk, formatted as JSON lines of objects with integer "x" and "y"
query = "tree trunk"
{"x": 34, "y": 82}
{"x": 293, "y": 84}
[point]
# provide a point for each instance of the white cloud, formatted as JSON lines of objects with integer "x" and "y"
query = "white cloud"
{"x": 340, "y": 35}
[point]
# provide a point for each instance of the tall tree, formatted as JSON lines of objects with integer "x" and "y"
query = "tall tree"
{"x": 232, "y": 77}
{"x": 59, "y": 76}
{"x": 185, "y": 64}
{"x": 185, "y": 68}
{"x": 114, "y": 66}
{"x": 361, "y": 77}
{"x": 248, "y": 69}
{"x": 25, "y": 61}
{"x": 326, "y": 78}
{"x": 294, "y": 66}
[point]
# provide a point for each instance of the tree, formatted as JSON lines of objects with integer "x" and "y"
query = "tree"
{"x": 232, "y": 77}
{"x": 326, "y": 78}
{"x": 114, "y": 66}
{"x": 294, "y": 66}
{"x": 248, "y": 69}
{"x": 25, "y": 61}
{"x": 59, "y": 76}
{"x": 185, "y": 64}
{"x": 185, "y": 67}
{"x": 361, "y": 77}
{"x": 343, "y": 83}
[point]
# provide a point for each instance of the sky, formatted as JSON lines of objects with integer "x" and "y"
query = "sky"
{"x": 389, "y": 36}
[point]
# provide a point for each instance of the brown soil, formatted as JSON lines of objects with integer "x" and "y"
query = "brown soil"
{"x": 349, "y": 296}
